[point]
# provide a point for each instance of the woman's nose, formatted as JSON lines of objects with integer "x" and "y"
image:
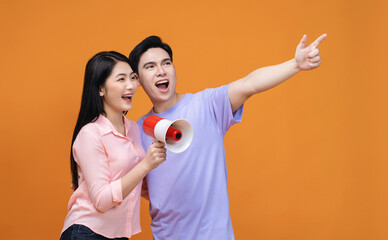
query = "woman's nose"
{"x": 131, "y": 84}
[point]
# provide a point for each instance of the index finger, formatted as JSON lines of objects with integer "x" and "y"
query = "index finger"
{"x": 319, "y": 40}
{"x": 158, "y": 143}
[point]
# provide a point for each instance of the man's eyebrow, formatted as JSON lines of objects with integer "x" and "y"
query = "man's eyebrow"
{"x": 148, "y": 63}
{"x": 166, "y": 59}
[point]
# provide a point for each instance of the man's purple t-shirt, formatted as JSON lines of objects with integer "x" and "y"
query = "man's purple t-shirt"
{"x": 189, "y": 191}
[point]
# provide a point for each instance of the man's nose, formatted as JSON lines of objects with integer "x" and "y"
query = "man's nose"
{"x": 161, "y": 71}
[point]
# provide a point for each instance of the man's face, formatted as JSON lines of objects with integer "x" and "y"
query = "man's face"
{"x": 157, "y": 75}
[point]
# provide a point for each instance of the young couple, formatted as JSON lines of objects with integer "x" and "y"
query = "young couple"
{"x": 188, "y": 193}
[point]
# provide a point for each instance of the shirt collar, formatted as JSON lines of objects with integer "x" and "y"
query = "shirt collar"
{"x": 105, "y": 126}
{"x": 181, "y": 101}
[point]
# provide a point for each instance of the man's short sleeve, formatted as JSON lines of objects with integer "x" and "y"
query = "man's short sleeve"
{"x": 221, "y": 109}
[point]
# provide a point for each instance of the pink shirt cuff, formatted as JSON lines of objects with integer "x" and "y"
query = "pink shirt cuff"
{"x": 117, "y": 192}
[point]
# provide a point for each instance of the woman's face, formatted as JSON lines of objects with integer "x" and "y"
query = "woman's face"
{"x": 119, "y": 88}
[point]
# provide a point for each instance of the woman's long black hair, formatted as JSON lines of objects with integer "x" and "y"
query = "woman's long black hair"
{"x": 97, "y": 71}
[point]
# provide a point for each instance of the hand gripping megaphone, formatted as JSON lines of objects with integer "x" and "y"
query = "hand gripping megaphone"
{"x": 177, "y": 135}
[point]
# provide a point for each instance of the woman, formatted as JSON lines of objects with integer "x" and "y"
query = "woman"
{"x": 107, "y": 159}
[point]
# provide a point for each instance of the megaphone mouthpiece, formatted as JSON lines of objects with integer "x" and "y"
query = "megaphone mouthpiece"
{"x": 173, "y": 134}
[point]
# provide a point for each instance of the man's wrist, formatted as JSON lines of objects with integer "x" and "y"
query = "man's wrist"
{"x": 295, "y": 65}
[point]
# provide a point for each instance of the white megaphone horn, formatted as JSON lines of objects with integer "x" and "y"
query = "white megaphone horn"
{"x": 177, "y": 135}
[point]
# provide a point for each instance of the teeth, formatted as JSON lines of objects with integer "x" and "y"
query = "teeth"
{"x": 161, "y": 82}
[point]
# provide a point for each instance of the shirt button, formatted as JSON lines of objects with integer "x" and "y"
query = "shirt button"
{"x": 137, "y": 158}
{"x": 130, "y": 213}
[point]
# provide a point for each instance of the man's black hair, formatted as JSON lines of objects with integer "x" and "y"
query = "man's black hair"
{"x": 143, "y": 46}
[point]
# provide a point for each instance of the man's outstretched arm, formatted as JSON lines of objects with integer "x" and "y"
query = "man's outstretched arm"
{"x": 262, "y": 79}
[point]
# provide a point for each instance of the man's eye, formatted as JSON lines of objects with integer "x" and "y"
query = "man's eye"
{"x": 167, "y": 63}
{"x": 149, "y": 66}
{"x": 121, "y": 79}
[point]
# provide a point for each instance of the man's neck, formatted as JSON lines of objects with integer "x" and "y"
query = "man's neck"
{"x": 160, "y": 107}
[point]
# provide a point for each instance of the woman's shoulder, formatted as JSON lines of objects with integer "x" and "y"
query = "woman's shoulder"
{"x": 89, "y": 135}
{"x": 90, "y": 130}
{"x": 91, "y": 127}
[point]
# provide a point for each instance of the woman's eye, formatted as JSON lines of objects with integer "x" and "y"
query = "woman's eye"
{"x": 167, "y": 63}
{"x": 121, "y": 79}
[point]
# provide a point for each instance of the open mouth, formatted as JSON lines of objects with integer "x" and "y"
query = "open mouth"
{"x": 127, "y": 98}
{"x": 162, "y": 85}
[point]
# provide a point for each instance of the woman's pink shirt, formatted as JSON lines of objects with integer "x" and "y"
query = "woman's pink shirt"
{"x": 104, "y": 156}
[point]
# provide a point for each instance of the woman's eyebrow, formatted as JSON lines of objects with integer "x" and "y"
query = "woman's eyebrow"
{"x": 121, "y": 74}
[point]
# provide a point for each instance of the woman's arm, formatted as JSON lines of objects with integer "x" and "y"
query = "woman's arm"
{"x": 90, "y": 155}
{"x": 156, "y": 154}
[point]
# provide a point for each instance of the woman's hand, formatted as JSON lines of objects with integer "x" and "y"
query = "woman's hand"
{"x": 156, "y": 154}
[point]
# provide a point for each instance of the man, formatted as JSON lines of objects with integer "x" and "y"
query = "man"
{"x": 188, "y": 193}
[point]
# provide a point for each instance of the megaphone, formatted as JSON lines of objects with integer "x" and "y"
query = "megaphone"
{"x": 177, "y": 135}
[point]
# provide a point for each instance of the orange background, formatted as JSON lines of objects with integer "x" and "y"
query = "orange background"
{"x": 308, "y": 161}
